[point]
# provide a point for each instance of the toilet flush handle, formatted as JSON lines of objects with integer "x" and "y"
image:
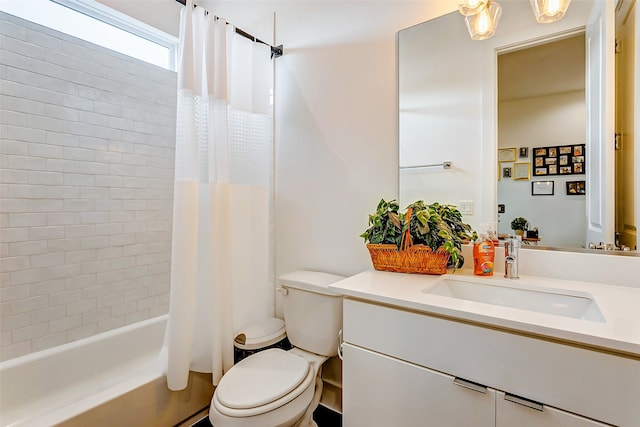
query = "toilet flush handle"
{"x": 340, "y": 342}
{"x": 283, "y": 291}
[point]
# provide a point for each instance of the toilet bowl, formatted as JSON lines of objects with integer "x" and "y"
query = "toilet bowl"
{"x": 278, "y": 388}
{"x": 271, "y": 388}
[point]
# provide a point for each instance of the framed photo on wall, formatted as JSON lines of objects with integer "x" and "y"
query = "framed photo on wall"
{"x": 576, "y": 188}
{"x": 542, "y": 188}
{"x": 506, "y": 155}
{"x": 523, "y": 152}
{"x": 506, "y": 172}
{"x": 521, "y": 171}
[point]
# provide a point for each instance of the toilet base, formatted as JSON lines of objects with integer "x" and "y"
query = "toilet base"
{"x": 309, "y": 424}
{"x": 307, "y": 419}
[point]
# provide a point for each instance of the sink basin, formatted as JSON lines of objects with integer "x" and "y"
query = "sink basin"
{"x": 559, "y": 302}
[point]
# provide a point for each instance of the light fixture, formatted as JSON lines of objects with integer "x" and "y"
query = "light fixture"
{"x": 483, "y": 24}
{"x": 482, "y": 16}
{"x": 547, "y": 11}
{"x": 471, "y": 7}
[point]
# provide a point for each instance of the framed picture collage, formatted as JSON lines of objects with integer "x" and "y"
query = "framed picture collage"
{"x": 559, "y": 160}
{"x": 545, "y": 162}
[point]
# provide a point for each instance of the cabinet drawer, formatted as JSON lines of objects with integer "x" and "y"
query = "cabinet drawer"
{"x": 381, "y": 392}
{"x": 509, "y": 414}
{"x": 598, "y": 385}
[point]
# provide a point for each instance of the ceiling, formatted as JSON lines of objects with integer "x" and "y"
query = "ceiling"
{"x": 544, "y": 69}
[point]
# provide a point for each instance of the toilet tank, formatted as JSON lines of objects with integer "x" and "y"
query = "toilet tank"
{"x": 312, "y": 312}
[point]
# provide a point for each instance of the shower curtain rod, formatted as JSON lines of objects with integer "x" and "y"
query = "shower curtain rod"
{"x": 276, "y": 51}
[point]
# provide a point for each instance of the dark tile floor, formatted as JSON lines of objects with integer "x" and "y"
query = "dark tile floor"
{"x": 323, "y": 417}
{"x": 202, "y": 423}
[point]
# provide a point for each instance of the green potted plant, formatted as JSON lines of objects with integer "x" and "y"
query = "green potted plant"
{"x": 386, "y": 224}
{"x": 435, "y": 226}
{"x": 519, "y": 224}
{"x": 440, "y": 227}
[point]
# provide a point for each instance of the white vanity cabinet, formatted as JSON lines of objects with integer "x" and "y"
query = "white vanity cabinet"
{"x": 406, "y": 368}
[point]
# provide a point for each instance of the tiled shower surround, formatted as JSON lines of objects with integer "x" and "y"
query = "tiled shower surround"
{"x": 86, "y": 188}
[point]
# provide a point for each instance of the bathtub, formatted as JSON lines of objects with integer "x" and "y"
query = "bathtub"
{"x": 55, "y": 385}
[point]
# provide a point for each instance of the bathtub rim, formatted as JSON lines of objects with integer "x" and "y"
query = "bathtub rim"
{"x": 41, "y": 354}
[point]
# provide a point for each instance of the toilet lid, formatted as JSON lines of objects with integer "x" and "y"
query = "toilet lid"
{"x": 261, "y": 379}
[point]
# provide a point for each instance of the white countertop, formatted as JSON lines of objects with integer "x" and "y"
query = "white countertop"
{"x": 620, "y": 306}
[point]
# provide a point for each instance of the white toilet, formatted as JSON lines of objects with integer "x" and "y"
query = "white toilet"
{"x": 277, "y": 388}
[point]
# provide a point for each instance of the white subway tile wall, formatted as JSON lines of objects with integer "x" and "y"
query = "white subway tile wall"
{"x": 86, "y": 188}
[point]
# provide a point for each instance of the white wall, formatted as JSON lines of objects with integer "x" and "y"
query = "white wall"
{"x": 543, "y": 121}
{"x": 87, "y": 157}
{"x": 336, "y": 121}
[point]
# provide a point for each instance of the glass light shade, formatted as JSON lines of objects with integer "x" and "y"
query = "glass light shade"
{"x": 471, "y": 7}
{"x": 547, "y": 11}
{"x": 483, "y": 25}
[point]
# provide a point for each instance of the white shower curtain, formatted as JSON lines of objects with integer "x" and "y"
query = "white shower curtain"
{"x": 221, "y": 261}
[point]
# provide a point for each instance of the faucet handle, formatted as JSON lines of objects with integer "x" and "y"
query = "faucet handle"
{"x": 511, "y": 247}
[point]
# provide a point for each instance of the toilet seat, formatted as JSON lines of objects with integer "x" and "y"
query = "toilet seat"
{"x": 263, "y": 382}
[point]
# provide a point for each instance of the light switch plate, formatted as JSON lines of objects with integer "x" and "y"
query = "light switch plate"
{"x": 465, "y": 207}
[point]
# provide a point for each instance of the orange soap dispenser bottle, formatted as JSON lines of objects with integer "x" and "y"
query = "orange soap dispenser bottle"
{"x": 483, "y": 256}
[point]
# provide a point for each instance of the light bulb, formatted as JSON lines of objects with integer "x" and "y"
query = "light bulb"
{"x": 551, "y": 7}
{"x": 547, "y": 11}
{"x": 483, "y": 25}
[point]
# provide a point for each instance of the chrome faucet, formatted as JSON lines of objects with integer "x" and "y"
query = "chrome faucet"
{"x": 511, "y": 249}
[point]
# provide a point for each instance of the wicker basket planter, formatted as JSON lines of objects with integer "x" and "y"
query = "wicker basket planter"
{"x": 437, "y": 230}
{"x": 414, "y": 259}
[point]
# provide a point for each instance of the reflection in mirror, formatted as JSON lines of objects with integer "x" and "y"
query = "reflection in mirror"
{"x": 448, "y": 111}
{"x": 541, "y": 113}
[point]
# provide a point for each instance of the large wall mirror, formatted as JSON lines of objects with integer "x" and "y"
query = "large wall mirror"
{"x": 513, "y": 114}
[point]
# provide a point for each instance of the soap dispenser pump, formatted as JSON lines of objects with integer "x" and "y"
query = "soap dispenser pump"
{"x": 483, "y": 254}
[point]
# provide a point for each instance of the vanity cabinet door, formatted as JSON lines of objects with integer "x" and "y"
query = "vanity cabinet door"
{"x": 509, "y": 414}
{"x": 382, "y": 391}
